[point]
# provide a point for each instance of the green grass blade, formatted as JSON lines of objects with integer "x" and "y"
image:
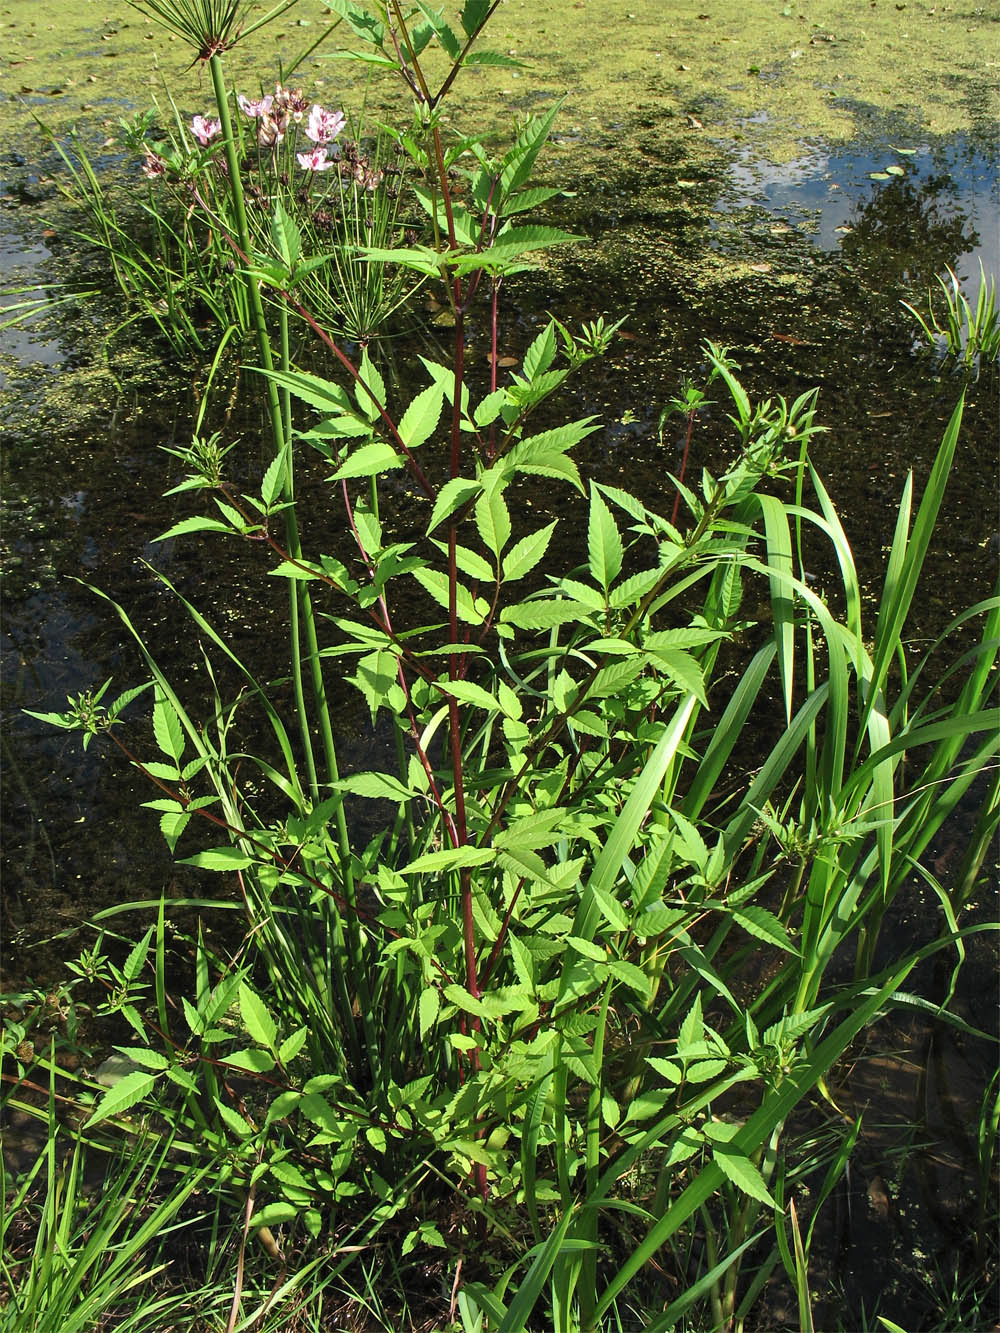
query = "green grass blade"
{"x": 774, "y": 1110}
{"x": 907, "y": 557}
{"x": 621, "y": 840}
{"x": 779, "y": 560}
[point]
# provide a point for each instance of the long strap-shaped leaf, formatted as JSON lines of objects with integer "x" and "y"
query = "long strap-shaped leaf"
{"x": 621, "y": 840}
{"x": 906, "y": 558}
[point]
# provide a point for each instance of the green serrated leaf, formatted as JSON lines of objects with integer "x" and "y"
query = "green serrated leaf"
{"x": 123, "y": 1096}
{"x": 467, "y": 692}
{"x": 193, "y": 525}
{"x": 742, "y": 1172}
{"x": 142, "y": 1055}
{"x": 510, "y": 245}
{"x": 528, "y": 199}
{"x": 233, "y": 1120}
{"x": 520, "y": 160}
{"x": 444, "y": 34}
{"x": 701, "y": 1071}
{"x": 256, "y": 1061}
{"x": 274, "y": 1213}
{"x": 587, "y": 948}
{"x": 136, "y": 960}
{"x": 488, "y": 410}
{"x": 473, "y": 15}
{"x": 758, "y": 921}
{"x": 452, "y": 495}
{"x": 368, "y": 461}
{"x": 470, "y": 562}
{"x": 292, "y": 1044}
{"x": 256, "y": 1018}
{"x": 369, "y": 376}
{"x": 288, "y": 570}
{"x": 544, "y": 614}
{"x": 429, "y": 1006}
{"x": 274, "y": 480}
{"x": 421, "y": 417}
{"x": 541, "y": 353}
{"x": 172, "y": 825}
{"x": 683, "y": 670}
{"x": 451, "y": 858}
{"x": 324, "y": 395}
{"x": 615, "y": 678}
{"x": 219, "y": 858}
{"x": 167, "y": 727}
{"x": 524, "y": 555}
{"x": 375, "y": 786}
{"x": 286, "y": 235}
{"x": 692, "y": 1030}
{"x": 433, "y": 581}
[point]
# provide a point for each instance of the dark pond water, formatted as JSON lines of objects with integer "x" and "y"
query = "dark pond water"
{"x": 798, "y": 269}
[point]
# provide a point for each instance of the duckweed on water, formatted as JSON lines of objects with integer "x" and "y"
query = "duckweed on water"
{"x": 760, "y": 68}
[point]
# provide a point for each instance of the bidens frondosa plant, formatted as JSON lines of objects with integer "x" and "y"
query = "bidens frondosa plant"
{"x": 559, "y": 1009}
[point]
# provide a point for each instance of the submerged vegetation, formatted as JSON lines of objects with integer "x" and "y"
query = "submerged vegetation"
{"x": 533, "y": 1019}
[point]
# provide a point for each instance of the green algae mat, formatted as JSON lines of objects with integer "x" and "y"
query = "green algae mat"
{"x": 770, "y": 70}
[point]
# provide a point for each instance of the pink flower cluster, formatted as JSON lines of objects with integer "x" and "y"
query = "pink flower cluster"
{"x": 316, "y": 160}
{"x": 287, "y": 107}
{"x": 275, "y": 113}
{"x": 322, "y": 127}
{"x": 205, "y": 130}
{"x": 255, "y": 110}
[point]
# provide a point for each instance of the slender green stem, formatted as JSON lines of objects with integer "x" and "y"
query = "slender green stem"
{"x": 587, "y": 1290}
{"x": 712, "y": 1257}
{"x": 295, "y": 587}
{"x": 282, "y": 442}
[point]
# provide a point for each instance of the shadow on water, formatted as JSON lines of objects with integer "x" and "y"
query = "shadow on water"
{"x": 798, "y": 269}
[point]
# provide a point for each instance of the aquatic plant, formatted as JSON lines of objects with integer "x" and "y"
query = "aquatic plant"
{"x": 542, "y": 993}
{"x": 340, "y": 188}
{"x": 971, "y": 336}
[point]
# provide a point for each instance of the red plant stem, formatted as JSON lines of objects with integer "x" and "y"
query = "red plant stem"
{"x": 446, "y": 814}
{"x": 501, "y": 939}
{"x": 488, "y": 622}
{"x": 684, "y": 463}
{"x": 494, "y": 310}
{"x": 455, "y": 666}
{"x": 457, "y": 64}
{"x": 404, "y": 684}
{"x": 415, "y": 80}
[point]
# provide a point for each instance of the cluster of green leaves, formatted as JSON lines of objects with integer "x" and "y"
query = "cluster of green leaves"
{"x": 580, "y": 970}
{"x": 610, "y": 893}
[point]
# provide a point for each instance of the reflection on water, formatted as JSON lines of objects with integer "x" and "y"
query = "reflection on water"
{"x": 21, "y": 265}
{"x": 952, "y": 187}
